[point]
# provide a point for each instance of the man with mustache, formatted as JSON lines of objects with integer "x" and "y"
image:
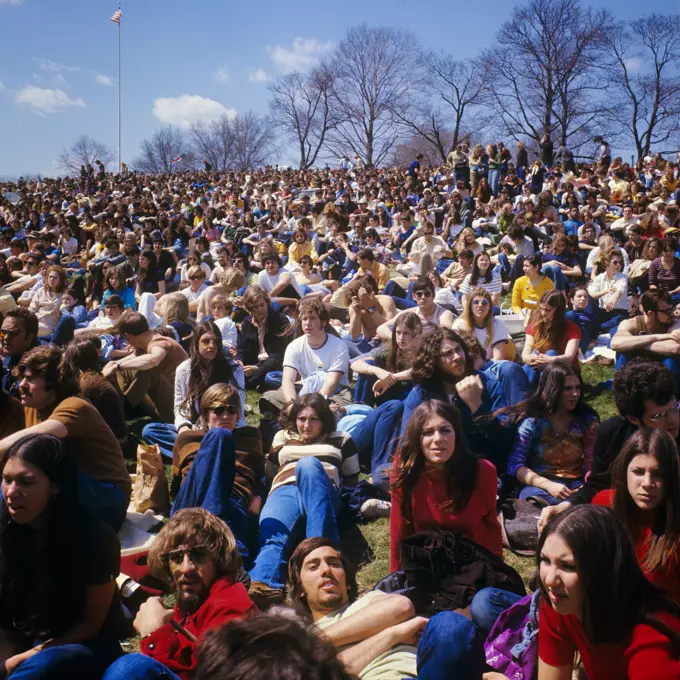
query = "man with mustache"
{"x": 196, "y": 552}
{"x": 378, "y": 635}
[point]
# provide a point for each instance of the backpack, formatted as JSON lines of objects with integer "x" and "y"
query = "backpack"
{"x": 511, "y": 647}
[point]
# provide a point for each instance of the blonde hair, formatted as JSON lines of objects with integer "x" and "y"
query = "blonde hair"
{"x": 232, "y": 278}
{"x": 195, "y": 270}
{"x": 176, "y": 309}
{"x": 219, "y": 394}
{"x": 469, "y": 318}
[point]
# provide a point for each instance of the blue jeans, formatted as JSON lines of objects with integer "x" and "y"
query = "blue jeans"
{"x": 555, "y": 274}
{"x": 511, "y": 271}
{"x": 313, "y": 499}
{"x": 494, "y": 179}
{"x": 87, "y": 659}
{"x": 377, "y": 439}
{"x": 488, "y": 604}
{"x": 107, "y": 501}
{"x": 513, "y": 380}
{"x": 163, "y": 434}
{"x": 609, "y": 321}
{"x": 210, "y": 482}
{"x": 273, "y": 380}
{"x": 534, "y": 374}
{"x": 449, "y": 647}
{"x": 138, "y": 667}
{"x": 671, "y": 363}
{"x": 527, "y": 491}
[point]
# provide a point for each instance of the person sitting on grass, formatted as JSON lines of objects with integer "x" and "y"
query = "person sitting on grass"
{"x": 377, "y": 635}
{"x": 367, "y": 310}
{"x": 309, "y": 462}
{"x": 553, "y": 449}
{"x": 220, "y": 466}
{"x": 61, "y": 614}
{"x": 645, "y": 496}
{"x": 196, "y": 554}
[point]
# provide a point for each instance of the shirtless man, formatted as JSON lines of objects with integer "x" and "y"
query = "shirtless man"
{"x": 367, "y": 311}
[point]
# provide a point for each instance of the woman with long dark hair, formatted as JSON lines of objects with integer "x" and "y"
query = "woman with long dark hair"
{"x": 550, "y": 336}
{"x": 60, "y": 614}
{"x": 553, "y": 449}
{"x": 150, "y": 279}
{"x": 596, "y": 600}
{"x": 309, "y": 463}
{"x": 437, "y": 482}
{"x": 116, "y": 285}
{"x": 207, "y": 365}
{"x": 482, "y": 276}
{"x": 646, "y": 499}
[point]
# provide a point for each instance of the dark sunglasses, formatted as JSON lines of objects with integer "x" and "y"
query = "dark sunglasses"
{"x": 482, "y": 302}
{"x": 229, "y": 408}
{"x": 422, "y": 293}
{"x": 199, "y": 554}
{"x": 195, "y": 278}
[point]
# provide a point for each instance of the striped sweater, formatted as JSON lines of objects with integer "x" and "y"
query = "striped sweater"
{"x": 337, "y": 453}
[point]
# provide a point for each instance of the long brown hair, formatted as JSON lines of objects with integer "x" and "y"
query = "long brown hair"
{"x": 665, "y": 535}
{"x": 397, "y": 359}
{"x": 461, "y": 470}
{"x": 469, "y": 319}
{"x": 548, "y": 333}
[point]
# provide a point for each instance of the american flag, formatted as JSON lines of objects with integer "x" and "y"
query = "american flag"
{"x": 116, "y": 17}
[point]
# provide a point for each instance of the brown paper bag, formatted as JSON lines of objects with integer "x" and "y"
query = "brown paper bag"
{"x": 150, "y": 491}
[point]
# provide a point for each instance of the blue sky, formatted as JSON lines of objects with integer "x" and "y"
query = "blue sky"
{"x": 190, "y": 59}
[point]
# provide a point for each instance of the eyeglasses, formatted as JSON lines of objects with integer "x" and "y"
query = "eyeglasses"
{"x": 422, "y": 294}
{"x": 195, "y": 278}
{"x": 667, "y": 311}
{"x": 663, "y": 415}
{"x": 9, "y": 334}
{"x": 199, "y": 554}
{"x": 229, "y": 408}
{"x": 482, "y": 302}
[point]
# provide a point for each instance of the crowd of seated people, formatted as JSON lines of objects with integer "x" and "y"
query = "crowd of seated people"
{"x": 314, "y": 349}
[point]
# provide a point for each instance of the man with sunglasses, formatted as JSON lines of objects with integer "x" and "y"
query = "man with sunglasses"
{"x": 197, "y": 554}
{"x": 31, "y": 276}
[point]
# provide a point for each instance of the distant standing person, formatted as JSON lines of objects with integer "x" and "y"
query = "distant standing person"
{"x": 414, "y": 168}
{"x": 546, "y": 151}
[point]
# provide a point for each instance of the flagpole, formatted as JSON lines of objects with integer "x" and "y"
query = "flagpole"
{"x": 119, "y": 97}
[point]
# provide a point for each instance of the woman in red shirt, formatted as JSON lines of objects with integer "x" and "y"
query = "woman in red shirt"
{"x": 646, "y": 498}
{"x": 550, "y": 336}
{"x": 596, "y": 600}
{"x": 438, "y": 483}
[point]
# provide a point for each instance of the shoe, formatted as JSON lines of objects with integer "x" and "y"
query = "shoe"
{"x": 265, "y": 596}
{"x": 374, "y": 508}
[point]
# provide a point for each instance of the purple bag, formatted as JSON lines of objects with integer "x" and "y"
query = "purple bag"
{"x": 511, "y": 647}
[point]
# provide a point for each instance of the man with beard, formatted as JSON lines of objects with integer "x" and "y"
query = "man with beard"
{"x": 653, "y": 335}
{"x": 378, "y": 635}
{"x": 196, "y": 552}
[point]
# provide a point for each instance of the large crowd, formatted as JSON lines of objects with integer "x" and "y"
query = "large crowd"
{"x": 314, "y": 349}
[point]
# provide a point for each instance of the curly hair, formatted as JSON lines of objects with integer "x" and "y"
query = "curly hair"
{"x": 462, "y": 469}
{"x": 428, "y": 350}
{"x": 193, "y": 527}
{"x": 639, "y": 381}
{"x": 47, "y": 362}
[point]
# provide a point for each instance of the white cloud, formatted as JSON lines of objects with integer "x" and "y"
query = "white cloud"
{"x": 42, "y": 100}
{"x": 257, "y": 75}
{"x": 633, "y": 63}
{"x": 2, "y": 86}
{"x": 222, "y": 75}
{"x": 49, "y": 65}
{"x": 188, "y": 109}
{"x": 101, "y": 79}
{"x": 60, "y": 80}
{"x": 11, "y": 2}
{"x": 302, "y": 56}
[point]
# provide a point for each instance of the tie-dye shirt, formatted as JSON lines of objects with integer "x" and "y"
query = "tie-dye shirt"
{"x": 540, "y": 448}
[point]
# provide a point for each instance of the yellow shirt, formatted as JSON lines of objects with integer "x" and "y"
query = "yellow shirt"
{"x": 381, "y": 274}
{"x": 296, "y": 251}
{"x": 526, "y": 296}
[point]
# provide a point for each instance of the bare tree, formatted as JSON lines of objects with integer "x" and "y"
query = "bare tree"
{"x": 254, "y": 141}
{"x": 544, "y": 70}
{"x": 449, "y": 104}
{"x": 215, "y": 142}
{"x": 301, "y": 108}
{"x": 165, "y": 146}
{"x": 374, "y": 71}
{"x": 644, "y": 78}
{"x": 85, "y": 151}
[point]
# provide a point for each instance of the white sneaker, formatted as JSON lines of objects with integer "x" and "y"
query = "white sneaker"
{"x": 374, "y": 508}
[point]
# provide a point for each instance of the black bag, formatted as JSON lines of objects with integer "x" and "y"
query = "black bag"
{"x": 518, "y": 520}
{"x": 442, "y": 572}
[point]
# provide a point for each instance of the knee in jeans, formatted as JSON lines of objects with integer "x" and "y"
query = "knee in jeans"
{"x": 445, "y": 626}
{"x": 393, "y": 408}
{"x": 308, "y": 466}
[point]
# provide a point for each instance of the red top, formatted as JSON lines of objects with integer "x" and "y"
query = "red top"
{"x": 571, "y": 332}
{"x": 173, "y": 649}
{"x": 668, "y": 577}
{"x": 477, "y": 521}
{"x": 646, "y": 655}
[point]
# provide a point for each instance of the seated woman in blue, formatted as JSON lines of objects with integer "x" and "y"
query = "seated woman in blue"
{"x": 116, "y": 285}
{"x": 553, "y": 449}
{"x": 443, "y": 369}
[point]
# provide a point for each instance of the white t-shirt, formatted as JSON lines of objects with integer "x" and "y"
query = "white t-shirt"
{"x": 620, "y": 285}
{"x": 69, "y": 247}
{"x": 331, "y": 357}
{"x": 500, "y": 333}
{"x": 185, "y": 267}
{"x": 190, "y": 295}
{"x": 395, "y": 664}
{"x": 268, "y": 282}
{"x": 229, "y": 331}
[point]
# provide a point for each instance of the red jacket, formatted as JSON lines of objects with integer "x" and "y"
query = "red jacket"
{"x": 226, "y": 601}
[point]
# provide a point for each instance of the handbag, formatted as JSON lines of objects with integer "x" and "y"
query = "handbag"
{"x": 150, "y": 491}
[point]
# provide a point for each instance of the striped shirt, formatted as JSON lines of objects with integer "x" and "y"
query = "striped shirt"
{"x": 495, "y": 286}
{"x": 338, "y": 455}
